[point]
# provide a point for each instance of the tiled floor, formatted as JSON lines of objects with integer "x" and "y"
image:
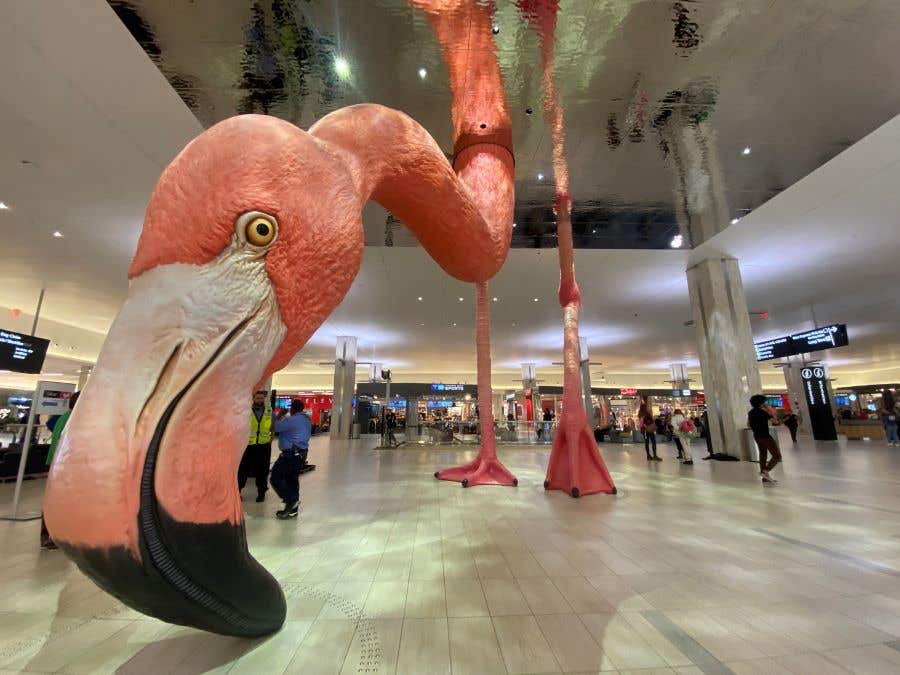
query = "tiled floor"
{"x": 687, "y": 570}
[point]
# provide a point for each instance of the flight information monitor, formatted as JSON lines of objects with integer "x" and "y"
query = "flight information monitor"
{"x": 22, "y": 353}
{"x": 826, "y": 337}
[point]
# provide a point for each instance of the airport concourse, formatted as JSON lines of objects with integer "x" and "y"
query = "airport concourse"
{"x": 417, "y": 337}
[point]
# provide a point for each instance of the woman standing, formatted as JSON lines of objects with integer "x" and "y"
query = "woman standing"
{"x": 683, "y": 429}
{"x": 648, "y": 428}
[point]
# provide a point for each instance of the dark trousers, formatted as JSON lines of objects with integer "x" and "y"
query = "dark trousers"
{"x": 678, "y": 445}
{"x": 648, "y": 439}
{"x": 768, "y": 445}
{"x": 793, "y": 431}
{"x": 286, "y": 475}
{"x": 255, "y": 462}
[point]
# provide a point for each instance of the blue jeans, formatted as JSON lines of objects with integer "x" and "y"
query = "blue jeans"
{"x": 890, "y": 430}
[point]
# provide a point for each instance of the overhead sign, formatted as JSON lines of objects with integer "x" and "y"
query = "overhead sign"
{"x": 818, "y": 403}
{"x": 628, "y": 391}
{"x": 22, "y": 353}
{"x": 826, "y": 337}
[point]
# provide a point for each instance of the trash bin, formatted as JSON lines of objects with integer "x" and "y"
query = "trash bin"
{"x": 354, "y": 430}
{"x": 748, "y": 452}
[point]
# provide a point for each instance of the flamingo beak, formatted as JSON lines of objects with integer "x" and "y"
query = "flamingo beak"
{"x": 142, "y": 492}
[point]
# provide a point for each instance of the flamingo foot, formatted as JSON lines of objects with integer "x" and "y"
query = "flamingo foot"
{"x": 576, "y": 466}
{"x": 480, "y": 471}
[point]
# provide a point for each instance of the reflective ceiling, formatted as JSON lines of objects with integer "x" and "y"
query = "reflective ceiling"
{"x": 661, "y": 98}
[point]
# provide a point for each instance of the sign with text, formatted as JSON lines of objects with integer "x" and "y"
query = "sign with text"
{"x": 818, "y": 402}
{"x": 22, "y": 353}
{"x": 52, "y": 398}
{"x": 447, "y": 387}
{"x": 826, "y": 337}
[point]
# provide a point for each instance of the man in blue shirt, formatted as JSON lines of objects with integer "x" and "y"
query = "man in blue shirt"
{"x": 293, "y": 441}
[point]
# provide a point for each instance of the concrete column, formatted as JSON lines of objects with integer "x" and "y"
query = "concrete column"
{"x": 585, "y": 367}
{"x": 344, "y": 387}
{"x": 725, "y": 343}
{"x": 83, "y": 376}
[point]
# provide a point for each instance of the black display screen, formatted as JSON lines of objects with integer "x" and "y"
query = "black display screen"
{"x": 826, "y": 337}
{"x": 22, "y": 353}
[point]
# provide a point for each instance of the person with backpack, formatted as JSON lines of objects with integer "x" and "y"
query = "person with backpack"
{"x": 648, "y": 429}
{"x": 683, "y": 429}
{"x": 890, "y": 415}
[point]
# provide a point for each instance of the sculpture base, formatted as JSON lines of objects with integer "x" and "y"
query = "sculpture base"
{"x": 480, "y": 471}
{"x": 576, "y": 466}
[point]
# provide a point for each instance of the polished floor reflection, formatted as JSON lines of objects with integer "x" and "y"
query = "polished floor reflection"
{"x": 687, "y": 570}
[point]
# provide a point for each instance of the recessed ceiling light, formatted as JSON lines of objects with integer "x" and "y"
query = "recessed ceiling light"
{"x": 593, "y": 231}
{"x": 746, "y": 151}
{"x": 419, "y": 298}
{"x": 58, "y": 234}
{"x": 514, "y": 224}
{"x": 734, "y": 221}
{"x": 677, "y": 241}
{"x": 460, "y": 299}
{"x": 3, "y": 206}
{"x": 540, "y": 176}
{"x": 421, "y": 324}
{"x": 423, "y": 73}
{"x": 454, "y": 323}
{"x": 494, "y": 298}
{"x": 341, "y": 66}
{"x": 536, "y": 299}
{"x": 495, "y": 29}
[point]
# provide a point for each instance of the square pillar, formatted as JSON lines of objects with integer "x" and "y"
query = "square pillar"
{"x": 344, "y": 387}
{"x": 725, "y": 343}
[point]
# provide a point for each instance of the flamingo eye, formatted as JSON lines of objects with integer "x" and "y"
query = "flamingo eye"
{"x": 258, "y": 229}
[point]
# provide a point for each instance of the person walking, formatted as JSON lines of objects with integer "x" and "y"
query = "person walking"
{"x": 890, "y": 414}
{"x": 704, "y": 419}
{"x": 758, "y": 420}
{"x": 648, "y": 428}
{"x": 258, "y": 453}
{"x": 58, "y": 425}
{"x": 792, "y": 422}
{"x": 293, "y": 442}
{"x": 683, "y": 429}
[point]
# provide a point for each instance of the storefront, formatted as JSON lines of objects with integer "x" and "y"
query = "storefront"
{"x": 416, "y": 404}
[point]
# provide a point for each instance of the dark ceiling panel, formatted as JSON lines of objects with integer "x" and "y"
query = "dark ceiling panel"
{"x": 660, "y": 97}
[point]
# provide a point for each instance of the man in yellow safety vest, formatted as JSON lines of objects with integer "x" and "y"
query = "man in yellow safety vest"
{"x": 258, "y": 455}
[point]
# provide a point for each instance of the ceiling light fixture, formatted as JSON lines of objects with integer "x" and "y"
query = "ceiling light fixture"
{"x": 746, "y": 151}
{"x": 341, "y": 67}
{"x": 494, "y": 298}
{"x": 514, "y": 225}
{"x": 423, "y": 73}
{"x": 3, "y": 206}
{"x": 495, "y": 29}
{"x": 677, "y": 241}
{"x": 419, "y": 298}
{"x": 454, "y": 323}
{"x": 460, "y": 299}
{"x": 58, "y": 234}
{"x": 734, "y": 221}
{"x": 536, "y": 299}
{"x": 540, "y": 176}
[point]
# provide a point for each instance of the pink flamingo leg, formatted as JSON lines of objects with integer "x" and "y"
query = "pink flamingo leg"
{"x": 576, "y": 465}
{"x": 484, "y": 161}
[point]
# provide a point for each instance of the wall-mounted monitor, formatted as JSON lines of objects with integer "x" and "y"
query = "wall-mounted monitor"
{"x": 22, "y": 353}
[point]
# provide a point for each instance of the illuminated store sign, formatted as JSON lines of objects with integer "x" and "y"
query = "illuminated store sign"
{"x": 826, "y": 337}
{"x": 22, "y": 353}
{"x": 628, "y": 391}
{"x": 447, "y": 387}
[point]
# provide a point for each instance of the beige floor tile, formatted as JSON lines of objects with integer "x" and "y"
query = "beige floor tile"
{"x": 572, "y": 644}
{"x": 542, "y": 596}
{"x": 61, "y": 648}
{"x": 465, "y": 597}
{"x": 474, "y": 649}
{"x": 424, "y": 647}
{"x": 374, "y": 647}
{"x": 523, "y": 645}
{"x": 362, "y": 568}
{"x": 523, "y": 565}
{"x": 581, "y": 595}
{"x": 868, "y": 660}
{"x": 622, "y": 644}
{"x": 324, "y": 648}
{"x": 504, "y": 597}
{"x": 386, "y": 600}
{"x": 657, "y": 641}
{"x": 426, "y": 600}
{"x": 273, "y": 654}
{"x": 107, "y": 656}
{"x": 346, "y": 600}
{"x": 758, "y": 667}
{"x": 810, "y": 664}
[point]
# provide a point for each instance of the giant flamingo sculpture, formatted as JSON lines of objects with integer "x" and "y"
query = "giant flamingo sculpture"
{"x": 251, "y": 214}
